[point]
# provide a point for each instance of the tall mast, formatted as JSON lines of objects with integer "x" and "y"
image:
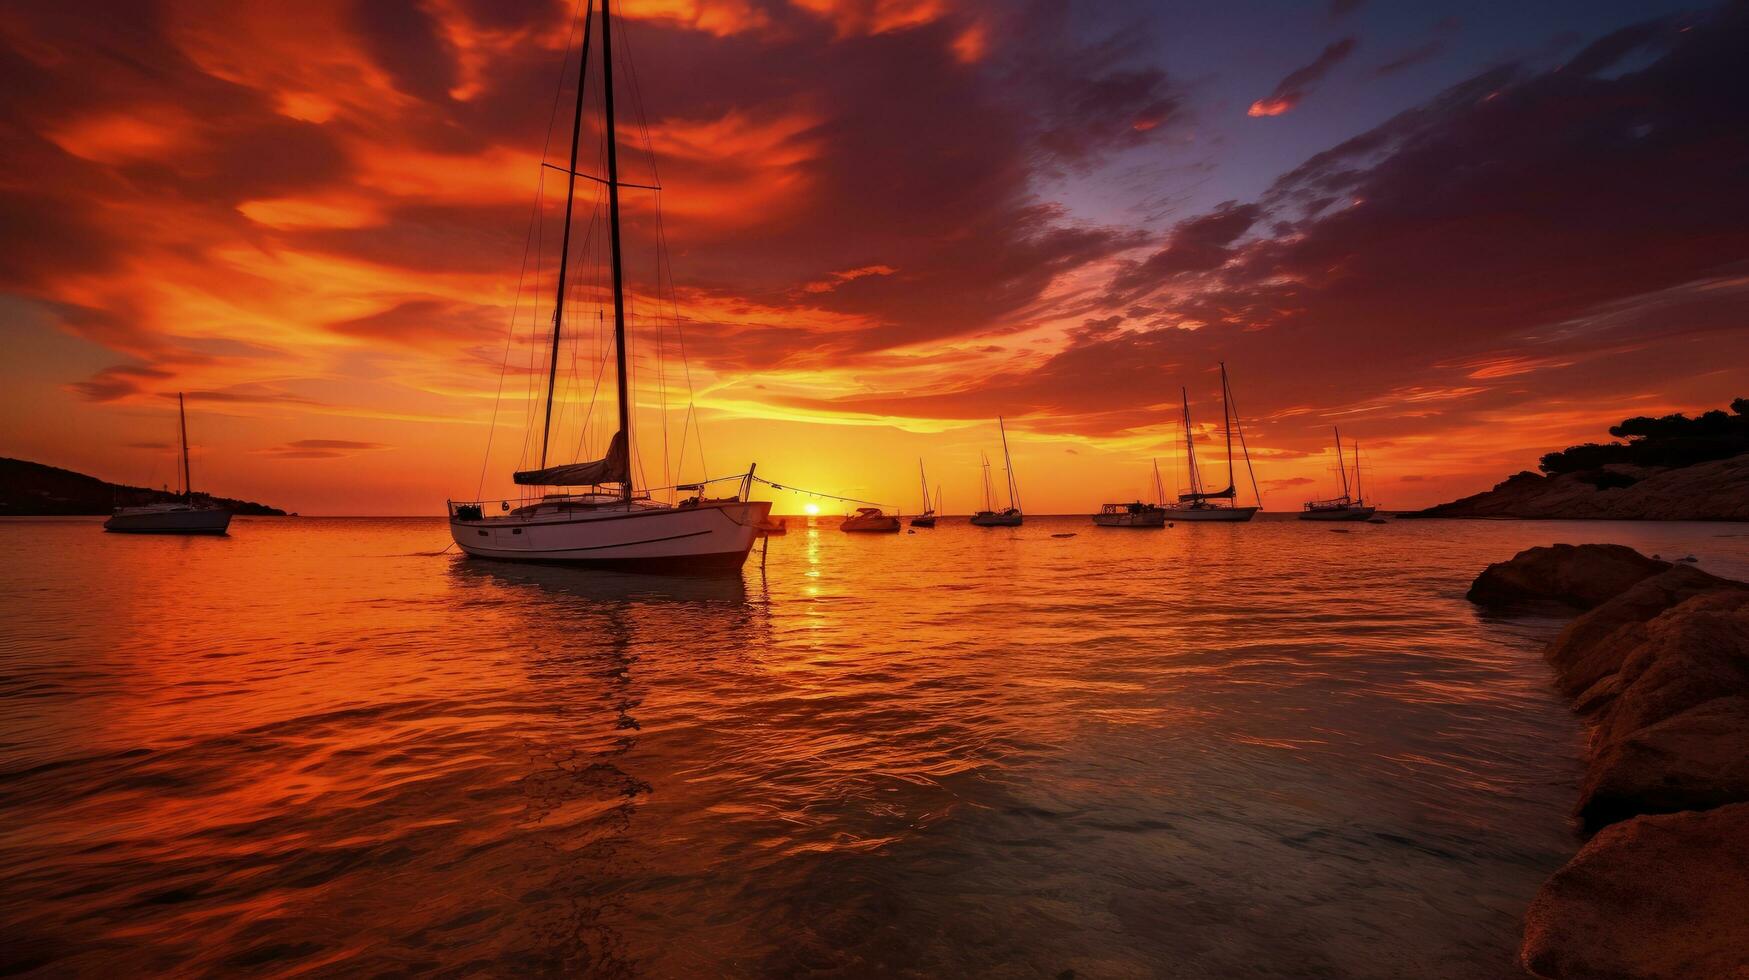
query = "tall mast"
{"x": 565, "y": 240}
{"x": 989, "y": 488}
{"x": 182, "y": 416}
{"x": 619, "y": 310}
{"x": 1227, "y": 420}
{"x": 1341, "y": 464}
{"x": 1190, "y": 445}
{"x": 1159, "y": 488}
{"x": 924, "y": 481}
{"x": 1358, "y": 498}
{"x": 1008, "y": 466}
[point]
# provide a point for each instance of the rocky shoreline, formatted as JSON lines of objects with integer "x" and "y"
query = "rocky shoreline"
{"x": 1712, "y": 491}
{"x": 1658, "y": 665}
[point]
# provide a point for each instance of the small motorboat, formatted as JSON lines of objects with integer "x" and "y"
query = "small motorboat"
{"x": 1134, "y": 514}
{"x": 870, "y": 520}
{"x": 773, "y": 527}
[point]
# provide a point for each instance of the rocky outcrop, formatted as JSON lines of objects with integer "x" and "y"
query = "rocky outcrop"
{"x": 30, "y": 489}
{"x": 1659, "y": 667}
{"x": 1660, "y": 896}
{"x": 1581, "y": 576}
{"x": 1694, "y": 760}
{"x": 1710, "y": 491}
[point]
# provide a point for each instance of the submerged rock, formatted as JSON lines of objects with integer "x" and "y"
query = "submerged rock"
{"x": 1582, "y": 576}
{"x": 1655, "y": 897}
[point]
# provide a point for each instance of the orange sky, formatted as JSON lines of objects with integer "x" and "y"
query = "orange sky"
{"x": 887, "y": 222}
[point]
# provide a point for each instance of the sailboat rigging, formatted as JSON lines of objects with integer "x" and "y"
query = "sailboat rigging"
{"x": 610, "y": 524}
{"x": 1351, "y": 506}
{"x": 182, "y": 516}
{"x": 1199, "y": 503}
{"x": 927, "y": 517}
{"x": 1010, "y": 516}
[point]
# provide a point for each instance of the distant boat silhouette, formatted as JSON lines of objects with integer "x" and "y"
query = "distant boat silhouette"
{"x": 185, "y": 516}
{"x": 1207, "y": 505}
{"x": 870, "y": 520}
{"x": 1011, "y": 515}
{"x": 1135, "y": 513}
{"x": 927, "y": 518}
{"x": 1351, "y": 506}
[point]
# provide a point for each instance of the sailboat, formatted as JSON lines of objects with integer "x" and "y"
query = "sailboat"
{"x": 185, "y": 516}
{"x": 1200, "y": 504}
{"x": 1136, "y": 513}
{"x": 1351, "y": 506}
{"x": 600, "y": 518}
{"x": 1011, "y": 515}
{"x": 927, "y": 518}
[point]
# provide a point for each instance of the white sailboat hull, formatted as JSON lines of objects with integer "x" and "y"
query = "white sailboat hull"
{"x": 168, "y": 520}
{"x": 1338, "y": 514}
{"x": 1229, "y": 515}
{"x": 708, "y": 537}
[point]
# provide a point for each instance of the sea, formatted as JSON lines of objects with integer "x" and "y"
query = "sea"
{"x": 335, "y": 747}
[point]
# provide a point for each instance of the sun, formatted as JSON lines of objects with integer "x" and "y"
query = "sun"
{"x": 811, "y": 509}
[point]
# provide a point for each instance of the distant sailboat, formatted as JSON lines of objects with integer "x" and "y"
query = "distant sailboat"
{"x": 1009, "y": 516}
{"x": 617, "y": 527}
{"x": 1351, "y": 506}
{"x": 1136, "y": 513}
{"x": 927, "y": 518}
{"x": 1211, "y": 505}
{"x": 184, "y": 516}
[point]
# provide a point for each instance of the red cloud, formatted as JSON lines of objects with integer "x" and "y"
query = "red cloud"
{"x": 1292, "y": 90}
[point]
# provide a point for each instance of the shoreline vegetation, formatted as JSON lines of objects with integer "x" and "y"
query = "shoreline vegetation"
{"x": 1657, "y": 664}
{"x": 30, "y": 489}
{"x": 1672, "y": 468}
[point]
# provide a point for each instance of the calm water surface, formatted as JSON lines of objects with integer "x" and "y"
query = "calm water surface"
{"x": 315, "y": 746}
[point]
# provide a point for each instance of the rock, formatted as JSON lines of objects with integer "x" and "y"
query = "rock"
{"x": 1582, "y": 576}
{"x": 1712, "y": 491}
{"x": 1706, "y": 491}
{"x": 1655, "y": 897}
{"x": 1694, "y": 760}
{"x": 1593, "y": 646}
{"x": 1691, "y": 654}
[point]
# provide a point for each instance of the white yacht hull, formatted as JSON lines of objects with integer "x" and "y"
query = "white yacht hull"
{"x": 1338, "y": 514}
{"x": 190, "y": 521}
{"x": 709, "y": 537}
{"x": 1226, "y": 514}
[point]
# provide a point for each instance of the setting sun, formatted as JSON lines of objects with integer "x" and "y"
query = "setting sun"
{"x": 811, "y": 509}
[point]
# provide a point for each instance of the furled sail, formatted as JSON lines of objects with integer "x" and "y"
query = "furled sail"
{"x": 1231, "y": 493}
{"x": 612, "y": 468}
